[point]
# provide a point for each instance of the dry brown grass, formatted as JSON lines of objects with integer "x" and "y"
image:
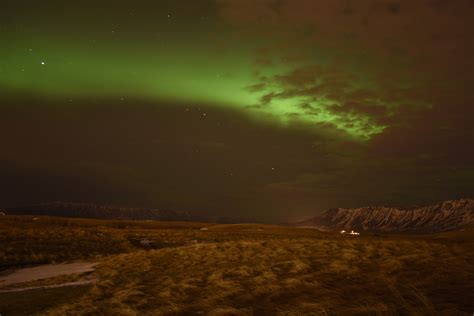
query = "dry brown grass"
{"x": 268, "y": 270}
{"x": 27, "y": 240}
{"x": 286, "y": 276}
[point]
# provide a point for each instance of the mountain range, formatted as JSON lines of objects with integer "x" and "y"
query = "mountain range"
{"x": 443, "y": 216}
{"x": 89, "y": 210}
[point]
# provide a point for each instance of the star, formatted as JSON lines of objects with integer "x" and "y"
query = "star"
{"x": 43, "y": 63}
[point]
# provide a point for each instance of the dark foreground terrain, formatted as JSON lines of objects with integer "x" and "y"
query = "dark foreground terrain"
{"x": 178, "y": 268}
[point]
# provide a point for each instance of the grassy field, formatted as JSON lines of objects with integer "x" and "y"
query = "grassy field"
{"x": 240, "y": 269}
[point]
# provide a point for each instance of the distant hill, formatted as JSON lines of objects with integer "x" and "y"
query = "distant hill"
{"x": 89, "y": 210}
{"x": 444, "y": 216}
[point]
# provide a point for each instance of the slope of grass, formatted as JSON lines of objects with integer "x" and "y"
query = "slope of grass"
{"x": 247, "y": 269}
{"x": 27, "y": 240}
{"x": 287, "y": 276}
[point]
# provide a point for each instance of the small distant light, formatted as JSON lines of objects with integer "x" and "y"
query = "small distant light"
{"x": 43, "y": 63}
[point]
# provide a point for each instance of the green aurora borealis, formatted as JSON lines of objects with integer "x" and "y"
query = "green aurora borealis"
{"x": 170, "y": 63}
{"x": 265, "y": 109}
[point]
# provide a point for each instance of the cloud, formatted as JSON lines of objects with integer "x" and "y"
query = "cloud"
{"x": 418, "y": 27}
{"x": 378, "y": 68}
{"x": 403, "y": 66}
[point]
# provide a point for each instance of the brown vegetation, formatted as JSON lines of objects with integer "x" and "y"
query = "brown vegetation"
{"x": 259, "y": 269}
{"x": 28, "y": 240}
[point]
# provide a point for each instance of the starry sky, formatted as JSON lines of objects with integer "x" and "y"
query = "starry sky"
{"x": 263, "y": 110}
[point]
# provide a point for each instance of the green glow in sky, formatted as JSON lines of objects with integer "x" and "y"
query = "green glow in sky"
{"x": 189, "y": 71}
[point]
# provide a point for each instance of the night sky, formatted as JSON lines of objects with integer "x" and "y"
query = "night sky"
{"x": 268, "y": 110}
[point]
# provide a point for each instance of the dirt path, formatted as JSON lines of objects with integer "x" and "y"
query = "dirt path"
{"x": 45, "y": 272}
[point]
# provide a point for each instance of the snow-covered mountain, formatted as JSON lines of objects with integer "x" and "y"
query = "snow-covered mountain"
{"x": 444, "y": 216}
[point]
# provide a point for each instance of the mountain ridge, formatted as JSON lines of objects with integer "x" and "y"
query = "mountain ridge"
{"x": 91, "y": 210}
{"x": 443, "y": 216}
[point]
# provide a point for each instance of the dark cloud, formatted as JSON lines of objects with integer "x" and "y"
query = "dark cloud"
{"x": 406, "y": 66}
{"x": 362, "y": 108}
{"x": 426, "y": 33}
{"x": 256, "y": 87}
